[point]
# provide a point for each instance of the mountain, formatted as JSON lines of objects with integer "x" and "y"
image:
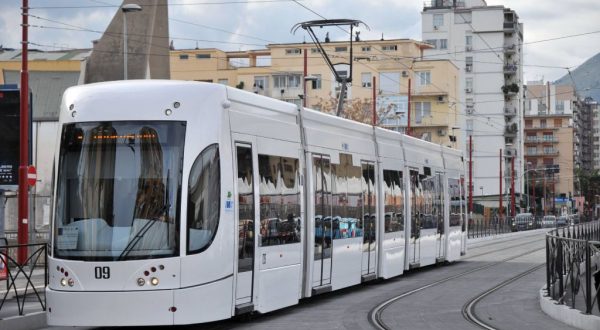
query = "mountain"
{"x": 586, "y": 76}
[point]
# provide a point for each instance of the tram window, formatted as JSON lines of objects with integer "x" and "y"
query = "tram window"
{"x": 279, "y": 200}
{"x": 429, "y": 218}
{"x": 438, "y": 206}
{"x": 204, "y": 191}
{"x": 416, "y": 203}
{"x": 369, "y": 197}
{"x": 353, "y": 208}
{"x": 454, "y": 192}
{"x": 393, "y": 201}
{"x": 323, "y": 224}
{"x": 245, "y": 208}
{"x": 346, "y": 213}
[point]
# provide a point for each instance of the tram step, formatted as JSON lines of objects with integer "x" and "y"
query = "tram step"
{"x": 440, "y": 260}
{"x": 414, "y": 265}
{"x": 368, "y": 277}
{"x": 244, "y": 308}
{"x": 321, "y": 289}
{"x": 462, "y": 253}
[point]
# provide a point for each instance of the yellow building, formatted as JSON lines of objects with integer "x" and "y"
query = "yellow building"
{"x": 278, "y": 72}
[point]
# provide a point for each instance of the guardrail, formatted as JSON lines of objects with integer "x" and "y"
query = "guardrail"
{"x": 21, "y": 279}
{"x": 572, "y": 266}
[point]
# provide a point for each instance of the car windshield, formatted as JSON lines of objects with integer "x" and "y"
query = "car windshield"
{"x": 117, "y": 190}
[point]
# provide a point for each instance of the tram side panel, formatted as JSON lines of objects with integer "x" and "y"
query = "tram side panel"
{"x": 393, "y": 196}
{"x": 345, "y": 200}
{"x": 277, "y": 198}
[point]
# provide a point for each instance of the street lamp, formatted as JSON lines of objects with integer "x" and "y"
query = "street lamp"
{"x": 130, "y": 7}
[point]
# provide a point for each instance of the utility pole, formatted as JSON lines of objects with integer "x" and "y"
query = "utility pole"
{"x": 534, "y": 203}
{"x": 22, "y": 229}
{"x": 471, "y": 174}
{"x": 545, "y": 194}
{"x": 409, "y": 110}
{"x": 304, "y": 78}
{"x": 512, "y": 187}
{"x": 374, "y": 101}
{"x": 500, "y": 193}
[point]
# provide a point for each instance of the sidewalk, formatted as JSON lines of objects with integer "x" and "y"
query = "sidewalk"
{"x": 33, "y": 314}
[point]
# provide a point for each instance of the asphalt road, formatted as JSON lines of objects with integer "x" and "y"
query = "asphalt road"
{"x": 514, "y": 306}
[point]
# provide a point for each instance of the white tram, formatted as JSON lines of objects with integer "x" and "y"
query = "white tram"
{"x": 184, "y": 202}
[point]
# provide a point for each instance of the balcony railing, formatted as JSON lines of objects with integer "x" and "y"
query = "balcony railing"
{"x": 510, "y": 49}
{"x": 510, "y": 111}
{"x": 510, "y": 69}
{"x": 552, "y": 152}
{"x": 436, "y": 4}
{"x": 540, "y": 139}
{"x": 509, "y": 26}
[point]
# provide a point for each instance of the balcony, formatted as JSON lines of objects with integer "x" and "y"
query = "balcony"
{"x": 510, "y": 111}
{"x": 510, "y": 69}
{"x": 545, "y": 152}
{"x": 510, "y": 49}
{"x": 541, "y": 139}
{"x": 441, "y": 4}
{"x": 511, "y": 131}
{"x": 469, "y": 68}
{"x": 509, "y": 26}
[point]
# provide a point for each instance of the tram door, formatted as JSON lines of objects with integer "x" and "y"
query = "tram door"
{"x": 369, "y": 221}
{"x": 416, "y": 204}
{"x": 246, "y": 222}
{"x": 439, "y": 215}
{"x": 321, "y": 279}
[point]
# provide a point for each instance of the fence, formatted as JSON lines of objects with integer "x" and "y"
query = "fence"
{"x": 572, "y": 266}
{"x": 482, "y": 227}
{"x": 21, "y": 280}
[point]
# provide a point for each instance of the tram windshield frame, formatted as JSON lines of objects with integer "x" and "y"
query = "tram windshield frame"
{"x": 118, "y": 191}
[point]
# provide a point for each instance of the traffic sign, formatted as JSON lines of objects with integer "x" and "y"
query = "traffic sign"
{"x": 31, "y": 175}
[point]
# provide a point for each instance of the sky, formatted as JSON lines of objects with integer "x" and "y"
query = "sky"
{"x": 251, "y": 24}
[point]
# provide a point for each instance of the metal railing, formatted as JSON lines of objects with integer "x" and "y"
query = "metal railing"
{"x": 21, "y": 279}
{"x": 572, "y": 266}
{"x": 483, "y": 227}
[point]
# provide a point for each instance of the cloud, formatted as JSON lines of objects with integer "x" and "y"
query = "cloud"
{"x": 272, "y": 22}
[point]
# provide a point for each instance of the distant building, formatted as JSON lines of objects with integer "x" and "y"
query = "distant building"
{"x": 485, "y": 42}
{"x": 278, "y": 72}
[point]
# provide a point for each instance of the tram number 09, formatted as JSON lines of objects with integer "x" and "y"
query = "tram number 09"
{"x": 102, "y": 273}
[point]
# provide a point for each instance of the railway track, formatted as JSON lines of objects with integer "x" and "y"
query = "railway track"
{"x": 375, "y": 315}
{"x": 468, "y": 309}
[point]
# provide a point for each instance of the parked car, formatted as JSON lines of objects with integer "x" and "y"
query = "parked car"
{"x": 523, "y": 221}
{"x": 574, "y": 219}
{"x": 549, "y": 221}
{"x": 562, "y": 221}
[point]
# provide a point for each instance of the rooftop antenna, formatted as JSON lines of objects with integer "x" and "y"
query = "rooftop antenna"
{"x": 342, "y": 80}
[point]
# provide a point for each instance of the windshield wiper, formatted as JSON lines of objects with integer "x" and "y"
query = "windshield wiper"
{"x": 140, "y": 233}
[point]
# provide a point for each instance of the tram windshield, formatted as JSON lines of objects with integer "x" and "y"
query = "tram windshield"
{"x": 117, "y": 190}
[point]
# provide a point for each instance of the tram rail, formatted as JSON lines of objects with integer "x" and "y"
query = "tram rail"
{"x": 468, "y": 309}
{"x": 376, "y": 314}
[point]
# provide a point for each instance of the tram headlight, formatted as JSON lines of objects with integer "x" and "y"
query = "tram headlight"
{"x": 71, "y": 282}
{"x": 141, "y": 281}
{"x": 63, "y": 281}
{"x": 154, "y": 281}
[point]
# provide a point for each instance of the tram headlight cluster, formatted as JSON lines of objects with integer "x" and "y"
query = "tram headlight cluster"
{"x": 154, "y": 281}
{"x": 65, "y": 280}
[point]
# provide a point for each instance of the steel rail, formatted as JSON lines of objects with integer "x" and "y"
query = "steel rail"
{"x": 468, "y": 310}
{"x": 375, "y": 315}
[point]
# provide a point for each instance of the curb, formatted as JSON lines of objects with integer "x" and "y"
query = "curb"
{"x": 25, "y": 322}
{"x": 567, "y": 315}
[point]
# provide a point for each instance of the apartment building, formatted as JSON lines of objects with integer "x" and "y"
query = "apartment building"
{"x": 278, "y": 72}
{"x": 550, "y": 141}
{"x": 485, "y": 42}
